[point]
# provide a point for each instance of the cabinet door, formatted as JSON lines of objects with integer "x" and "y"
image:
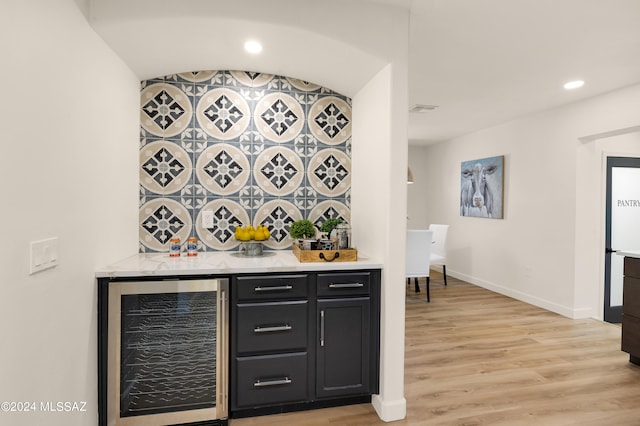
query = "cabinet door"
{"x": 343, "y": 358}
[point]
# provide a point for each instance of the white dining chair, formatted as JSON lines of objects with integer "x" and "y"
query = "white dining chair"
{"x": 418, "y": 256}
{"x": 439, "y": 247}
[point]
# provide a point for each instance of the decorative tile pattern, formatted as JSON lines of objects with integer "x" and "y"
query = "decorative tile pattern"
{"x": 165, "y": 110}
{"x": 329, "y": 210}
{"x": 279, "y": 117}
{"x": 223, "y": 114}
{"x": 164, "y": 167}
{"x": 227, "y": 215}
{"x": 278, "y": 215}
{"x": 223, "y": 169}
{"x": 252, "y": 148}
{"x": 162, "y": 219}
{"x": 305, "y": 86}
{"x": 329, "y": 172}
{"x": 278, "y": 171}
{"x": 198, "y": 76}
{"x": 330, "y": 120}
{"x": 252, "y": 79}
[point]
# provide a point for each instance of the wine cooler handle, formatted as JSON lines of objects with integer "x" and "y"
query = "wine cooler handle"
{"x": 260, "y": 384}
{"x": 223, "y": 371}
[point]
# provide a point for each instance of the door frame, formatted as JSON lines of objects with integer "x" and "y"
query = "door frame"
{"x": 612, "y": 314}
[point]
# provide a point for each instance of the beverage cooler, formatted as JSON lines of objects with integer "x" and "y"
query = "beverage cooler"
{"x": 163, "y": 355}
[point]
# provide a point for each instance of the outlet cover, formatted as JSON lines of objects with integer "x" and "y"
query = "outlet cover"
{"x": 207, "y": 219}
{"x": 44, "y": 255}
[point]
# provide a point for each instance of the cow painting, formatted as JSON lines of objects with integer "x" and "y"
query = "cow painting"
{"x": 481, "y": 187}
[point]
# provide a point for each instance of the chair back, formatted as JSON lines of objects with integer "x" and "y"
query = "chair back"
{"x": 439, "y": 247}
{"x": 418, "y": 252}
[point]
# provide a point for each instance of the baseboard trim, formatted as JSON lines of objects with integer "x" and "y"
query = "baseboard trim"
{"x": 524, "y": 297}
{"x": 389, "y": 411}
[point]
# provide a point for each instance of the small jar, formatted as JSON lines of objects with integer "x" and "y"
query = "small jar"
{"x": 174, "y": 247}
{"x": 343, "y": 234}
{"x": 192, "y": 246}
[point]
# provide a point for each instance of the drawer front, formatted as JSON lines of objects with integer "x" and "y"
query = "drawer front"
{"x": 344, "y": 284}
{"x": 270, "y": 327}
{"x": 631, "y": 267}
{"x": 275, "y": 379}
{"x": 631, "y": 296}
{"x": 278, "y": 287}
{"x": 631, "y": 335}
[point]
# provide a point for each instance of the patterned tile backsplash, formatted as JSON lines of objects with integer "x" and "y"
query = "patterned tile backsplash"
{"x": 253, "y": 148}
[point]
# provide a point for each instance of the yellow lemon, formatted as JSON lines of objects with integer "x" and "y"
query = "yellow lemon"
{"x": 244, "y": 235}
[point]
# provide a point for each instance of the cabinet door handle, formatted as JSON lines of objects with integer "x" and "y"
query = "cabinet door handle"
{"x": 322, "y": 327}
{"x": 271, "y": 329}
{"x": 346, "y": 285}
{"x": 261, "y": 384}
{"x": 273, "y": 288}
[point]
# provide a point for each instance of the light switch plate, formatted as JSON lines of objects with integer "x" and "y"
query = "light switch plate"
{"x": 44, "y": 255}
{"x": 207, "y": 219}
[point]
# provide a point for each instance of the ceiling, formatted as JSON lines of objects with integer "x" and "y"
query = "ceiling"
{"x": 485, "y": 62}
{"x": 481, "y": 62}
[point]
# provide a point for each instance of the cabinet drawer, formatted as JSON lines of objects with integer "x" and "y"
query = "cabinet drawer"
{"x": 269, "y": 327}
{"x": 631, "y": 267}
{"x": 271, "y": 287}
{"x": 273, "y": 379}
{"x": 631, "y": 335}
{"x": 631, "y": 296}
{"x": 343, "y": 284}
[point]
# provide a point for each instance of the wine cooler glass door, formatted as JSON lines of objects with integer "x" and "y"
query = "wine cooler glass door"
{"x": 167, "y": 352}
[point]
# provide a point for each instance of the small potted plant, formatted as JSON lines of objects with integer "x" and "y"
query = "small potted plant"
{"x": 329, "y": 225}
{"x": 303, "y": 230}
{"x": 328, "y": 230}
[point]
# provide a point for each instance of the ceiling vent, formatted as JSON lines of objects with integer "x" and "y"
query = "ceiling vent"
{"x": 421, "y": 109}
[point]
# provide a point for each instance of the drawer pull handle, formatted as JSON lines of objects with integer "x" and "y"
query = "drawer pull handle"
{"x": 346, "y": 285}
{"x": 260, "y": 384}
{"x": 285, "y": 327}
{"x": 273, "y": 288}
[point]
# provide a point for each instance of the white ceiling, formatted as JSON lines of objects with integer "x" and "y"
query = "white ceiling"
{"x": 482, "y": 62}
{"x": 485, "y": 62}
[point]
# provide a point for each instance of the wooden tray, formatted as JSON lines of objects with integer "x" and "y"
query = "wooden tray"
{"x": 345, "y": 255}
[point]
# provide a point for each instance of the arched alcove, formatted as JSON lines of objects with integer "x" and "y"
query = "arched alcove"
{"x": 249, "y": 148}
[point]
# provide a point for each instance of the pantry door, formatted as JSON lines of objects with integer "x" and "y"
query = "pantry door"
{"x": 622, "y": 228}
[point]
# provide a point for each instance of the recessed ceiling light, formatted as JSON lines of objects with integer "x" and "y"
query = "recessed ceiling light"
{"x": 573, "y": 85}
{"x": 253, "y": 46}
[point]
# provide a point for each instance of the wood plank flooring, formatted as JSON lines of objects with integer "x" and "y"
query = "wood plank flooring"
{"x": 474, "y": 358}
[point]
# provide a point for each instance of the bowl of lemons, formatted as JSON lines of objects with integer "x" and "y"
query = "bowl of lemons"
{"x": 251, "y": 239}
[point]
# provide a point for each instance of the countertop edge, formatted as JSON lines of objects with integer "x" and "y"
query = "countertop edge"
{"x": 628, "y": 253}
{"x": 222, "y": 263}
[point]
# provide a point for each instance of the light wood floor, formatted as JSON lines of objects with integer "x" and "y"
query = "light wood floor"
{"x": 474, "y": 357}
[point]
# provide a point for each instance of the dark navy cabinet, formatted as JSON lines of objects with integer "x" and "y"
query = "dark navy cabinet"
{"x": 302, "y": 341}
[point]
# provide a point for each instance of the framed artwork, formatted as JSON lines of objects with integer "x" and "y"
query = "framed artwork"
{"x": 482, "y": 187}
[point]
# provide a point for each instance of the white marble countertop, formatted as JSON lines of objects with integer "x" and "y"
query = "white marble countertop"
{"x": 158, "y": 264}
{"x": 629, "y": 253}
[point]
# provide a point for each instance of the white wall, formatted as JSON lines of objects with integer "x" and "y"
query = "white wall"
{"x": 547, "y": 249}
{"x": 69, "y": 120}
{"x": 378, "y": 185}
